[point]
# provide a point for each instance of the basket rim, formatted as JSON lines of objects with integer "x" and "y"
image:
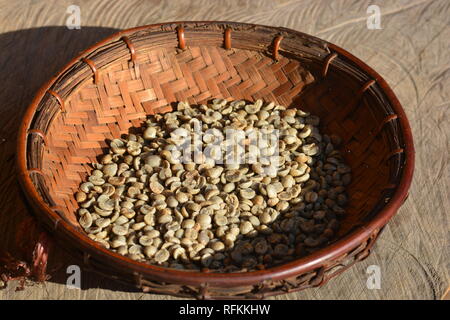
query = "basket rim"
{"x": 286, "y": 270}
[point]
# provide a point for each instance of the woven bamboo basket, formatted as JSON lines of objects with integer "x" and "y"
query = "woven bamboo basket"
{"x": 111, "y": 87}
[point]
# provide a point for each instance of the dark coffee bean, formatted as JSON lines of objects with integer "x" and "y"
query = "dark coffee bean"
{"x": 249, "y": 262}
{"x": 338, "y": 210}
{"x": 236, "y": 255}
{"x": 333, "y": 224}
{"x": 319, "y": 228}
{"x": 319, "y": 214}
{"x": 329, "y": 167}
{"x": 300, "y": 237}
{"x": 323, "y": 193}
{"x": 311, "y": 242}
{"x": 287, "y": 225}
{"x": 280, "y": 250}
{"x": 307, "y": 226}
{"x": 275, "y": 238}
{"x": 267, "y": 259}
{"x": 330, "y": 203}
{"x": 247, "y": 248}
{"x": 260, "y": 246}
{"x": 342, "y": 199}
{"x": 337, "y": 183}
{"x": 328, "y": 233}
{"x": 330, "y": 215}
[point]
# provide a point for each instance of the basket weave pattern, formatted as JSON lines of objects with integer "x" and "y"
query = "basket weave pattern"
{"x": 112, "y": 87}
{"x": 124, "y": 96}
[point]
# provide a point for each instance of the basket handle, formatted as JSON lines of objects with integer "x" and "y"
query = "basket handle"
{"x": 181, "y": 38}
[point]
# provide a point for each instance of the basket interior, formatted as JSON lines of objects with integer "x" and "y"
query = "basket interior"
{"x": 126, "y": 92}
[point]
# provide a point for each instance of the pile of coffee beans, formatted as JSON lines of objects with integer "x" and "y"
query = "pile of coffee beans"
{"x": 229, "y": 186}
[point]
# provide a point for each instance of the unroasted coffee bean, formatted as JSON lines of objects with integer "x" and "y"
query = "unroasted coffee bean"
{"x": 162, "y": 256}
{"x": 145, "y": 201}
{"x": 246, "y": 227}
{"x": 119, "y": 230}
{"x": 203, "y": 220}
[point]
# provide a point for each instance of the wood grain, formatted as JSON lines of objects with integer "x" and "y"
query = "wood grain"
{"x": 410, "y": 52}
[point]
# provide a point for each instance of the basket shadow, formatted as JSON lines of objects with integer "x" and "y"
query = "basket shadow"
{"x": 28, "y": 59}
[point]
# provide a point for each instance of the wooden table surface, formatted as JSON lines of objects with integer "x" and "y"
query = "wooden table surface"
{"x": 410, "y": 52}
